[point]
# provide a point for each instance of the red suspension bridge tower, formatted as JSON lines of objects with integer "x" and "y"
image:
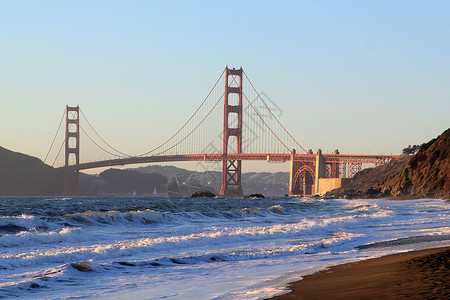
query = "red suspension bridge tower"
{"x": 232, "y": 127}
{"x": 72, "y": 146}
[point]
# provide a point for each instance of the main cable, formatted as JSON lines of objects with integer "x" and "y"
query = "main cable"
{"x": 200, "y": 123}
{"x": 56, "y": 134}
{"x": 89, "y": 137}
{"x": 167, "y": 141}
{"x": 57, "y": 155}
{"x": 274, "y": 114}
{"x": 122, "y": 154}
{"x": 254, "y": 109}
{"x": 245, "y": 96}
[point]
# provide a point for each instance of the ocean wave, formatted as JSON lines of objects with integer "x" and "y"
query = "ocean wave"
{"x": 30, "y": 238}
{"x": 115, "y": 217}
{"x": 408, "y": 241}
{"x": 116, "y": 246}
{"x": 15, "y": 224}
{"x": 33, "y": 282}
{"x": 271, "y": 212}
{"x": 213, "y": 235}
{"x": 154, "y": 217}
{"x": 58, "y": 199}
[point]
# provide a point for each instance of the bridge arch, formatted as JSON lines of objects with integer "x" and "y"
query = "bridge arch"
{"x": 301, "y": 172}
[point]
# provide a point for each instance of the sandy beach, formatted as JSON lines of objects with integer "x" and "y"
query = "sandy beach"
{"x": 421, "y": 274}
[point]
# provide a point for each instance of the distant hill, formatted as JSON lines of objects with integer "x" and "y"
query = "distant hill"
{"x": 187, "y": 180}
{"x": 266, "y": 183}
{"x": 127, "y": 181}
{"x": 25, "y": 175}
{"x": 426, "y": 174}
{"x": 168, "y": 171}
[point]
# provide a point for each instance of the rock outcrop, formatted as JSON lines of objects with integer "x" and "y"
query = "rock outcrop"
{"x": 255, "y": 196}
{"x": 364, "y": 182}
{"x": 203, "y": 194}
{"x": 426, "y": 174}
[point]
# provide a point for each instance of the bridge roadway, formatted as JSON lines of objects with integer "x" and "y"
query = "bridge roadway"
{"x": 328, "y": 158}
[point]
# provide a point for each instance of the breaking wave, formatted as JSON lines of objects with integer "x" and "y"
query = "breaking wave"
{"x": 65, "y": 242}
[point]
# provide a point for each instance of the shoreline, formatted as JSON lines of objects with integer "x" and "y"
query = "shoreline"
{"x": 421, "y": 274}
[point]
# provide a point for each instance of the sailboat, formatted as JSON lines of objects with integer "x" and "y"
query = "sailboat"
{"x": 154, "y": 191}
{"x": 134, "y": 193}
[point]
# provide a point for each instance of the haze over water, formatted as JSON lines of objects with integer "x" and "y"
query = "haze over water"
{"x": 218, "y": 248}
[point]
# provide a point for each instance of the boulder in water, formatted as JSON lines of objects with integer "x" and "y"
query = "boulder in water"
{"x": 82, "y": 266}
{"x": 255, "y": 196}
{"x": 202, "y": 194}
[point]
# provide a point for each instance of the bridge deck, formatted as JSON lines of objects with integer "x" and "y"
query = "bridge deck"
{"x": 328, "y": 158}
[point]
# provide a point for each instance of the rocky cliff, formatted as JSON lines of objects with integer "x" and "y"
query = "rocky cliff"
{"x": 426, "y": 174}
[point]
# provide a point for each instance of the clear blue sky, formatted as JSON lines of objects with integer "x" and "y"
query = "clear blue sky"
{"x": 361, "y": 76}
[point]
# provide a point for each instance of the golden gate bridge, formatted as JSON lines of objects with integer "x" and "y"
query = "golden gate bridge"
{"x": 245, "y": 129}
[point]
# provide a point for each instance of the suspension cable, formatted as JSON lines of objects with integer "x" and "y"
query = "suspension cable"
{"x": 57, "y": 130}
{"x": 123, "y": 154}
{"x": 82, "y": 129}
{"x": 57, "y": 155}
{"x": 113, "y": 154}
{"x": 167, "y": 141}
{"x": 245, "y": 96}
{"x": 303, "y": 163}
{"x": 273, "y": 114}
{"x": 264, "y": 121}
{"x": 200, "y": 123}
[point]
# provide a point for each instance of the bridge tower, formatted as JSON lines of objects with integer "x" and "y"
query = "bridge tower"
{"x": 232, "y": 127}
{"x": 72, "y": 146}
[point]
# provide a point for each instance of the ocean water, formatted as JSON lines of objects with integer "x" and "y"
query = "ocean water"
{"x": 201, "y": 248}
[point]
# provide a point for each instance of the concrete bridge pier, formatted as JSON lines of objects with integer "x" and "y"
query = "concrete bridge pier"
{"x": 314, "y": 176}
{"x": 292, "y": 174}
{"x": 320, "y": 170}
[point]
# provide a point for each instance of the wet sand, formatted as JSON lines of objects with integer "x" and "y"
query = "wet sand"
{"x": 414, "y": 275}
